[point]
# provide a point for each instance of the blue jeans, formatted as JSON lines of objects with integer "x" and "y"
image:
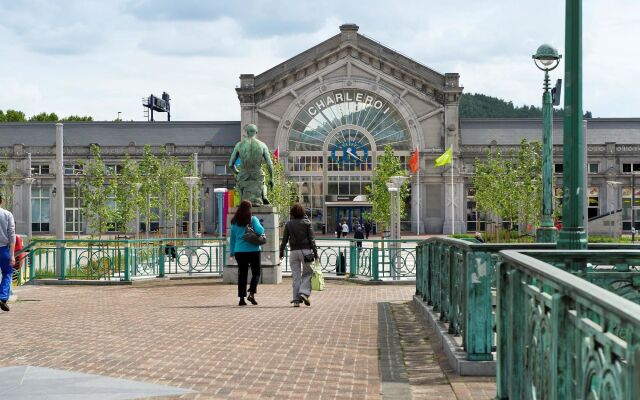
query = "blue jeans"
{"x": 7, "y": 273}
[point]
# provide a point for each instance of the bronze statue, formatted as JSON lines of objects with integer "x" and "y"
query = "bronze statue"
{"x": 249, "y": 177}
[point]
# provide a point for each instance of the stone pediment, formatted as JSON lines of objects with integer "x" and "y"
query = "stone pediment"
{"x": 356, "y": 49}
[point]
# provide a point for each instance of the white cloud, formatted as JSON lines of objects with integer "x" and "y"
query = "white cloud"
{"x": 98, "y": 58}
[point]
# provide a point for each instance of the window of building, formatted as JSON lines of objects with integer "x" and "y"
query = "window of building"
{"x": 593, "y": 205}
{"x": 73, "y": 217}
{"x": 476, "y": 221}
{"x": 220, "y": 169}
{"x": 593, "y": 168}
{"x": 114, "y": 169}
{"x": 40, "y": 169}
{"x": 40, "y": 209}
{"x": 626, "y": 209}
{"x": 557, "y": 168}
{"x": 627, "y": 167}
{"x": 72, "y": 169}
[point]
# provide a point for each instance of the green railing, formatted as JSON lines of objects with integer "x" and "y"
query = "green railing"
{"x": 124, "y": 259}
{"x": 374, "y": 259}
{"x": 562, "y": 337}
{"x": 458, "y": 279}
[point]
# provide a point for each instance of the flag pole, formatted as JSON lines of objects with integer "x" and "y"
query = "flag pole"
{"x": 418, "y": 201}
{"x": 452, "y": 199}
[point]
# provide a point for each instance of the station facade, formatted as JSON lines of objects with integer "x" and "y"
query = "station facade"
{"x": 330, "y": 111}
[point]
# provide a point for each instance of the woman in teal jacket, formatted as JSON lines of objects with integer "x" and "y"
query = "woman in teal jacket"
{"x": 246, "y": 254}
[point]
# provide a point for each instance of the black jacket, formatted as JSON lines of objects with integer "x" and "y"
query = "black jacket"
{"x": 299, "y": 234}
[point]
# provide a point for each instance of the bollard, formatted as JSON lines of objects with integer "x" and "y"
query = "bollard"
{"x": 375, "y": 273}
{"x": 127, "y": 272}
{"x": 161, "y": 260}
{"x": 353, "y": 263}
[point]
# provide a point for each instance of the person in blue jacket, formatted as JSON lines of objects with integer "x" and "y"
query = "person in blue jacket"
{"x": 246, "y": 254}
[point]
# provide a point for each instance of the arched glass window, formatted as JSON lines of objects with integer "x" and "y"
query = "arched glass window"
{"x": 341, "y": 108}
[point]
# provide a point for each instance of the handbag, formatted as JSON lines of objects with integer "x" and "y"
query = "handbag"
{"x": 250, "y": 236}
{"x": 306, "y": 257}
{"x": 317, "y": 280}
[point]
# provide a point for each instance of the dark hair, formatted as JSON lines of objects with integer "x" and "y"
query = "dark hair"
{"x": 243, "y": 214}
{"x": 297, "y": 211}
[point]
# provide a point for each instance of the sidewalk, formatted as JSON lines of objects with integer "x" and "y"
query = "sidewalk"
{"x": 194, "y": 336}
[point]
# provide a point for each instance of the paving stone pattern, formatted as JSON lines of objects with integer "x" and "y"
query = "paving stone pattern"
{"x": 194, "y": 336}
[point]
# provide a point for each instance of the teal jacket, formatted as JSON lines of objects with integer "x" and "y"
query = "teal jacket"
{"x": 237, "y": 243}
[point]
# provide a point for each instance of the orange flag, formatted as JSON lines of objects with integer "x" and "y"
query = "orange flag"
{"x": 414, "y": 163}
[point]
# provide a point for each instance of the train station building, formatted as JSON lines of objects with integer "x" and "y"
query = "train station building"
{"x": 330, "y": 111}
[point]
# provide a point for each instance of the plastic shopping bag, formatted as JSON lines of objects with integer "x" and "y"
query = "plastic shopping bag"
{"x": 317, "y": 280}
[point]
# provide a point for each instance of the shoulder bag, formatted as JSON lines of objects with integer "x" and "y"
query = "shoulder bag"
{"x": 250, "y": 236}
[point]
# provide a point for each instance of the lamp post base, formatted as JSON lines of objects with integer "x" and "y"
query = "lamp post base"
{"x": 547, "y": 234}
{"x": 572, "y": 240}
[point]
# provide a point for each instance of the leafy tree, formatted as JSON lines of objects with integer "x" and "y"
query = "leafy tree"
{"x": 510, "y": 187}
{"x": 12, "y": 116}
{"x": 388, "y": 165}
{"x": 95, "y": 193}
{"x": 44, "y": 117}
{"x": 77, "y": 118}
{"x": 175, "y": 193}
{"x": 283, "y": 194}
{"x": 7, "y": 183}
{"x": 150, "y": 189}
{"x": 123, "y": 186}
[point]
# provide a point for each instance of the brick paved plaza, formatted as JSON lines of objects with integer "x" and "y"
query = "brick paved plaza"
{"x": 192, "y": 335}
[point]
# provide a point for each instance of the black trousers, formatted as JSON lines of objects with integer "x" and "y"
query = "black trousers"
{"x": 246, "y": 260}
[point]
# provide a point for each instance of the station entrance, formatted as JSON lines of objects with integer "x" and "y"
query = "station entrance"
{"x": 353, "y": 213}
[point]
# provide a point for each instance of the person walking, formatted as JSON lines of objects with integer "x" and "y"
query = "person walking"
{"x": 338, "y": 230}
{"x": 367, "y": 229}
{"x": 359, "y": 235}
{"x": 246, "y": 254}
{"x": 302, "y": 251}
{"x": 7, "y": 254}
{"x": 345, "y": 229}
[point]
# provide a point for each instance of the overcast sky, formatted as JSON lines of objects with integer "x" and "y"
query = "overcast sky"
{"x": 97, "y": 58}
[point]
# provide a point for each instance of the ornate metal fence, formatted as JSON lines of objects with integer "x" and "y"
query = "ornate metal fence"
{"x": 562, "y": 337}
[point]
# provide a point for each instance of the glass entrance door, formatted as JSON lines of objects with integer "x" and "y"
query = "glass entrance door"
{"x": 352, "y": 215}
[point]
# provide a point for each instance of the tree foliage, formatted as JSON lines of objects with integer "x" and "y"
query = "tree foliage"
{"x": 95, "y": 192}
{"x": 388, "y": 165}
{"x": 510, "y": 187}
{"x": 19, "y": 116}
{"x": 7, "y": 182}
{"x": 476, "y": 105}
{"x": 123, "y": 186}
{"x": 283, "y": 194}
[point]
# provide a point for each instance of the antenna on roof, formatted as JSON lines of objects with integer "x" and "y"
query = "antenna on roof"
{"x": 155, "y": 103}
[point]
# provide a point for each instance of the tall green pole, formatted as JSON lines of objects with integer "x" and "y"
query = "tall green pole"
{"x": 572, "y": 235}
{"x": 547, "y": 232}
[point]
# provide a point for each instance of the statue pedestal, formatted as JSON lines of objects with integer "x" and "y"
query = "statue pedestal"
{"x": 271, "y": 271}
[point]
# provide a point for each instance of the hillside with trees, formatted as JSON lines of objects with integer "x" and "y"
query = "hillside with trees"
{"x": 477, "y": 105}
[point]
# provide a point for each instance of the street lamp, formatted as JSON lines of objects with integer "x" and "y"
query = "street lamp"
{"x": 573, "y": 235}
{"x": 612, "y": 205}
{"x": 191, "y": 182}
{"x": 547, "y": 59}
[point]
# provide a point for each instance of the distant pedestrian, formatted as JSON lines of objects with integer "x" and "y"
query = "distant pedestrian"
{"x": 302, "y": 252}
{"x": 345, "y": 229}
{"x": 479, "y": 238}
{"x": 7, "y": 254}
{"x": 246, "y": 254}
{"x": 359, "y": 234}
{"x": 338, "y": 230}
{"x": 367, "y": 229}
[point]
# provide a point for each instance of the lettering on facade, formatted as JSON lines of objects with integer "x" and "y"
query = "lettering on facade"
{"x": 347, "y": 96}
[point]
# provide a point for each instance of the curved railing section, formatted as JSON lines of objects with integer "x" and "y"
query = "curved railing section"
{"x": 561, "y": 337}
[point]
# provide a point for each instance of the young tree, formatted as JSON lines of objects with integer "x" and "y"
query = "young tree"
{"x": 150, "y": 189}
{"x": 123, "y": 186}
{"x": 175, "y": 193}
{"x": 510, "y": 187}
{"x": 388, "y": 165}
{"x": 7, "y": 182}
{"x": 283, "y": 193}
{"x": 95, "y": 193}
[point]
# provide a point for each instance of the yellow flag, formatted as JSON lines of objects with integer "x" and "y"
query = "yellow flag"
{"x": 444, "y": 159}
